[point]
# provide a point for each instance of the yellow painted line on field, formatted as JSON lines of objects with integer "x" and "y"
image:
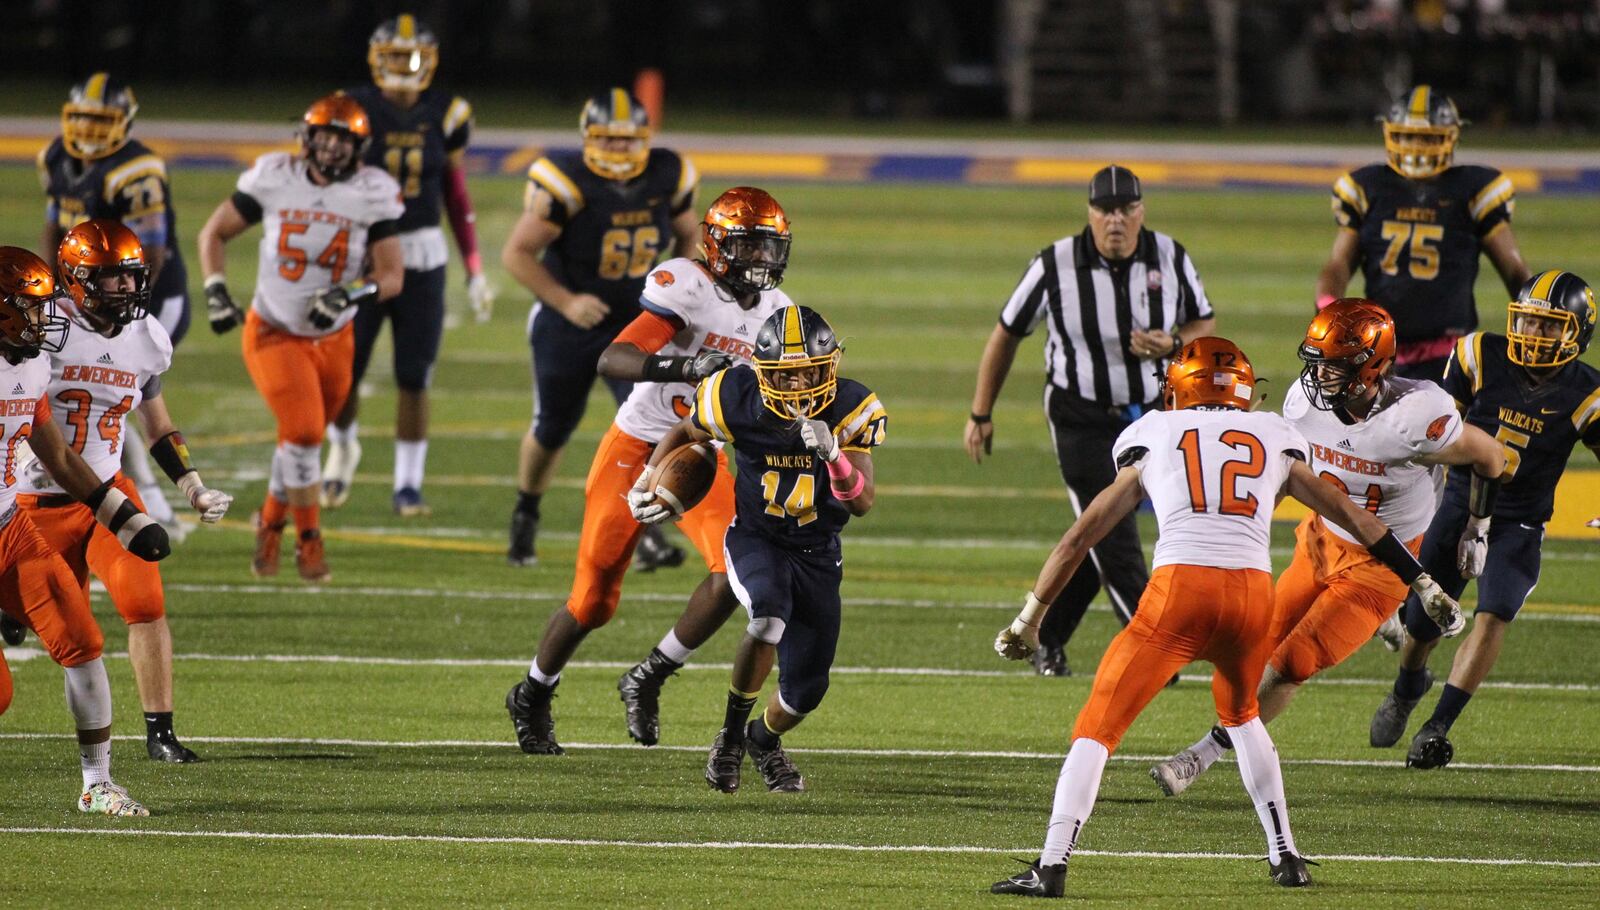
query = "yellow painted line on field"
{"x": 412, "y": 542}
{"x": 716, "y": 164}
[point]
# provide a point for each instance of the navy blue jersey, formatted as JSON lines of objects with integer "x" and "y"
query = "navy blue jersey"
{"x": 1420, "y": 239}
{"x": 612, "y": 232}
{"x": 128, "y": 185}
{"x": 1537, "y": 424}
{"x": 781, "y": 489}
{"x": 414, "y": 144}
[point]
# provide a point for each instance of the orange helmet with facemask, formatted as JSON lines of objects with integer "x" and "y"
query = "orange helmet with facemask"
{"x": 1348, "y": 349}
{"x": 1210, "y": 371}
{"x": 342, "y": 116}
{"x": 95, "y": 252}
{"x": 29, "y": 322}
{"x": 746, "y": 239}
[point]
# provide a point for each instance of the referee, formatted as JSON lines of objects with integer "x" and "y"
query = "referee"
{"x": 1118, "y": 300}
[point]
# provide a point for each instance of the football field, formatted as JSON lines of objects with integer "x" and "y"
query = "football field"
{"x": 356, "y": 746}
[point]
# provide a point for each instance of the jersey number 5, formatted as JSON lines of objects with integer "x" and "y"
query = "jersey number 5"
{"x": 1253, "y": 464}
{"x": 292, "y": 259}
{"x": 1423, "y": 240}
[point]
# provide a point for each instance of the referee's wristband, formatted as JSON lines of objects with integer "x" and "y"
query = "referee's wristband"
{"x": 982, "y": 418}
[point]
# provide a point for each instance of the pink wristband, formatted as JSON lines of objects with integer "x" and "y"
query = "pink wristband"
{"x": 1324, "y": 300}
{"x": 836, "y": 475}
{"x": 474, "y": 261}
{"x": 839, "y": 468}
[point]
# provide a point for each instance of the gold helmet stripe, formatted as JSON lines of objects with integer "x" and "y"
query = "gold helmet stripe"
{"x": 1543, "y": 284}
{"x": 405, "y": 27}
{"x": 793, "y": 339}
{"x": 621, "y": 108}
{"x": 1419, "y": 101}
{"x": 95, "y": 89}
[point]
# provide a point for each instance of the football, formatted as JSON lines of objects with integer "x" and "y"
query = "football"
{"x": 685, "y": 476}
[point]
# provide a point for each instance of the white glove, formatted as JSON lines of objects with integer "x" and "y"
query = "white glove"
{"x": 817, "y": 437}
{"x": 1017, "y": 641}
{"x": 1473, "y": 548}
{"x": 647, "y": 508}
{"x": 1440, "y": 607}
{"x": 482, "y": 296}
{"x": 211, "y": 504}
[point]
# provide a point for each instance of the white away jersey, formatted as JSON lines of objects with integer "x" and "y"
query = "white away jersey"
{"x": 312, "y": 236}
{"x": 682, "y": 290}
{"x": 1375, "y": 461}
{"x": 1214, "y": 477}
{"x": 22, "y": 404}
{"x": 95, "y": 383}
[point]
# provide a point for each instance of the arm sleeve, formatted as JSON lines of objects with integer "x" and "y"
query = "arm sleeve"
{"x": 463, "y": 223}
{"x": 247, "y": 206}
{"x": 1349, "y": 202}
{"x": 649, "y": 332}
{"x": 1024, "y": 310}
{"x": 388, "y": 227}
{"x": 151, "y": 387}
{"x": 1491, "y": 206}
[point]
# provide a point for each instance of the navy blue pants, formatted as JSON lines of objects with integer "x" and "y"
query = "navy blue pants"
{"x": 169, "y": 297}
{"x": 418, "y": 316}
{"x": 564, "y": 359}
{"x": 1509, "y": 573}
{"x": 794, "y": 594}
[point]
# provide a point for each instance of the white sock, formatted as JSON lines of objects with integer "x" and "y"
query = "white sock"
{"x": 673, "y": 649}
{"x": 410, "y": 458}
{"x": 1076, "y": 790}
{"x": 344, "y": 436}
{"x": 89, "y": 695}
{"x": 275, "y": 484}
{"x": 1209, "y": 750}
{"x": 1263, "y": 780}
{"x": 541, "y": 677}
{"x": 95, "y": 759}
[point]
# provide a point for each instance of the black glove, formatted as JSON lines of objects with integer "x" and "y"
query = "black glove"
{"x": 705, "y": 364}
{"x": 220, "y": 308}
{"x": 327, "y": 304}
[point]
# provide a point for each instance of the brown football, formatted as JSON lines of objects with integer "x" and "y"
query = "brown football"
{"x": 685, "y": 476}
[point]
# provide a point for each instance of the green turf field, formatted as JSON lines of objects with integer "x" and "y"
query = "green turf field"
{"x": 358, "y": 751}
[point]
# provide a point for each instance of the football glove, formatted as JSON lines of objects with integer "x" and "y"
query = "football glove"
{"x": 1440, "y": 607}
{"x": 818, "y": 437}
{"x": 646, "y": 506}
{"x": 482, "y": 296}
{"x": 211, "y": 504}
{"x": 223, "y": 313}
{"x": 1017, "y": 641}
{"x": 704, "y": 364}
{"x": 327, "y": 304}
{"x": 1473, "y": 548}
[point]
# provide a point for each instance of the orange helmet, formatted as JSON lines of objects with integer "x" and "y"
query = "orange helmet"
{"x": 341, "y": 120}
{"x": 1210, "y": 372}
{"x": 28, "y": 319}
{"x": 1348, "y": 350}
{"x": 746, "y": 238}
{"x": 98, "y": 250}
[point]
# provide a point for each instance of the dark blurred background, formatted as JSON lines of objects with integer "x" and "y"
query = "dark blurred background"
{"x": 1506, "y": 62}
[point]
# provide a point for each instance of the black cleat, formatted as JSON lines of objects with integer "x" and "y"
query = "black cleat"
{"x": 1389, "y": 722}
{"x": 1290, "y": 872}
{"x": 655, "y": 551}
{"x": 524, "y": 528}
{"x": 777, "y": 770}
{"x": 1430, "y": 748}
{"x": 165, "y": 747}
{"x": 1035, "y": 881}
{"x": 722, "y": 765}
{"x": 529, "y": 705}
{"x": 1051, "y": 660}
{"x": 12, "y": 632}
{"x": 640, "y": 689}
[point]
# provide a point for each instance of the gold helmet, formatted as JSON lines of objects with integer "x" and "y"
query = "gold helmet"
{"x": 1420, "y": 133}
{"x": 796, "y": 360}
{"x": 1551, "y": 321}
{"x": 97, "y": 251}
{"x": 96, "y": 118}
{"x": 615, "y": 115}
{"x": 403, "y": 54}
{"x": 28, "y": 319}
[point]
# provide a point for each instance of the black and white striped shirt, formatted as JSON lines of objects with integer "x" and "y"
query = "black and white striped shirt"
{"x": 1093, "y": 306}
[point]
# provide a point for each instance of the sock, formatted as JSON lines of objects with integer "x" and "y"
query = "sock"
{"x": 275, "y": 485}
{"x": 1208, "y": 749}
{"x": 1263, "y": 780}
{"x": 305, "y": 518}
{"x": 95, "y": 759}
{"x": 541, "y": 677}
{"x": 1076, "y": 790}
{"x": 157, "y": 724}
{"x": 673, "y": 649}
{"x": 1451, "y": 701}
{"x": 733, "y": 720}
{"x": 89, "y": 695}
{"x": 528, "y": 503}
{"x": 341, "y": 437}
{"x": 409, "y": 458}
{"x": 760, "y": 734}
{"x": 1410, "y": 684}
{"x": 274, "y": 511}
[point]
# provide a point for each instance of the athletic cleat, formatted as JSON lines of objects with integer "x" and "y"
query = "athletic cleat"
{"x": 1430, "y": 748}
{"x": 722, "y": 765}
{"x": 408, "y": 503}
{"x": 12, "y": 632}
{"x": 640, "y": 689}
{"x": 524, "y": 528}
{"x": 1051, "y": 660}
{"x": 777, "y": 770}
{"x": 528, "y": 702}
{"x": 1392, "y": 633}
{"x": 339, "y": 472}
{"x": 656, "y": 552}
{"x": 107, "y": 798}
{"x": 1389, "y": 722}
{"x": 1176, "y": 773}
{"x": 309, "y": 559}
{"x": 165, "y": 747}
{"x": 269, "y": 540}
{"x": 1290, "y": 872}
{"x": 1035, "y": 881}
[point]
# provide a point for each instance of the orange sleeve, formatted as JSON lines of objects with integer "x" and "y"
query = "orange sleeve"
{"x": 41, "y": 411}
{"x": 648, "y": 332}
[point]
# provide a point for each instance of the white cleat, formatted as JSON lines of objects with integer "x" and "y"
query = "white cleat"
{"x": 1176, "y": 773}
{"x": 107, "y": 798}
{"x": 1392, "y": 633}
{"x": 339, "y": 472}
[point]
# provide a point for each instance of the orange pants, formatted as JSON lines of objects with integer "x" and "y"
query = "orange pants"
{"x": 303, "y": 380}
{"x": 1331, "y": 599}
{"x": 609, "y": 532}
{"x": 70, "y": 529}
{"x": 38, "y": 590}
{"x": 1187, "y": 613}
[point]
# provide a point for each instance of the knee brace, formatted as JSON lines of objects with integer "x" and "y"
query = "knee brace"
{"x": 768, "y": 629}
{"x": 299, "y": 465}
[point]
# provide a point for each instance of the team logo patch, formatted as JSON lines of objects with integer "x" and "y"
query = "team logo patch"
{"x": 1437, "y": 428}
{"x": 1154, "y": 280}
{"x": 664, "y": 278}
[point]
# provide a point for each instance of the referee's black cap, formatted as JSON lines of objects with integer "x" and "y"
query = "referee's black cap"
{"x": 1114, "y": 186}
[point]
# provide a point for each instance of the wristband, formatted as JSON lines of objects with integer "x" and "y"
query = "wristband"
{"x": 359, "y": 292}
{"x": 840, "y": 468}
{"x": 1033, "y": 610}
{"x": 664, "y": 369}
{"x": 474, "y": 262}
{"x": 1177, "y": 343}
{"x": 172, "y": 454}
{"x": 1392, "y": 553}
{"x": 1325, "y": 300}
{"x": 982, "y": 418}
{"x": 214, "y": 279}
{"x": 1482, "y": 494}
{"x": 855, "y": 488}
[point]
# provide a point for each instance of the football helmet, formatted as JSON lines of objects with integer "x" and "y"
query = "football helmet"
{"x": 97, "y": 251}
{"x": 1420, "y": 133}
{"x": 797, "y": 363}
{"x": 1209, "y": 372}
{"x": 746, "y": 239}
{"x": 1348, "y": 349}
{"x": 334, "y": 135}
{"x": 1551, "y": 321}
{"x": 29, "y": 322}
{"x": 97, "y": 116}
{"x": 615, "y": 115}
{"x": 403, "y": 54}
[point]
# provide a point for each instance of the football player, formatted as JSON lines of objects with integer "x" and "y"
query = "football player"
{"x": 1415, "y": 226}
{"x": 329, "y": 243}
{"x": 36, "y": 586}
{"x": 1213, "y": 469}
{"x": 1374, "y": 436}
{"x": 1529, "y": 389}
{"x": 94, "y": 169}
{"x": 593, "y": 224}
{"x": 700, "y": 316}
{"x": 803, "y": 439}
{"x": 419, "y": 135}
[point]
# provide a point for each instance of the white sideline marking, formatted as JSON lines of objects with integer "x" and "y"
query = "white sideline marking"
{"x": 766, "y": 845}
{"x": 854, "y": 753}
